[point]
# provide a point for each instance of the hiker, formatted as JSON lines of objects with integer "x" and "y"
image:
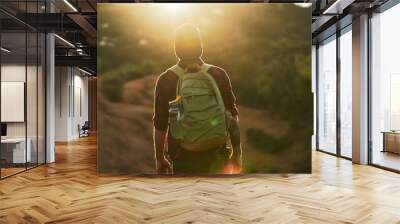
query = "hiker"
{"x": 195, "y": 114}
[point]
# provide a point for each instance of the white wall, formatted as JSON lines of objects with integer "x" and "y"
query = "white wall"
{"x": 62, "y": 81}
{"x": 13, "y": 100}
{"x": 80, "y": 104}
{"x": 71, "y": 102}
{"x": 15, "y": 73}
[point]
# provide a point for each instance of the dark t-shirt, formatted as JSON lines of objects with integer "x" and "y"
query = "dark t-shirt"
{"x": 166, "y": 91}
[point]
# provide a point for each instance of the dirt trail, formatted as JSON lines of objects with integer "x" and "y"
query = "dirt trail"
{"x": 127, "y": 130}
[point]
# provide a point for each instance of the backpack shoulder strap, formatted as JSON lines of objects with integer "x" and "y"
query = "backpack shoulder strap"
{"x": 205, "y": 67}
{"x": 214, "y": 85}
{"x": 180, "y": 73}
{"x": 177, "y": 70}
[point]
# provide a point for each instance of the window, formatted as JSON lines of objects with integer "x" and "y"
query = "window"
{"x": 385, "y": 88}
{"x": 346, "y": 92}
{"x": 327, "y": 95}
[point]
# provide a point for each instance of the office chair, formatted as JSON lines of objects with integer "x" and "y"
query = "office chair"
{"x": 84, "y": 130}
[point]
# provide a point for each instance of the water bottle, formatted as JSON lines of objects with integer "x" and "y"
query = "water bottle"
{"x": 174, "y": 110}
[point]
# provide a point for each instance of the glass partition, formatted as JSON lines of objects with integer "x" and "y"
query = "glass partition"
{"x": 22, "y": 77}
{"x": 15, "y": 150}
{"x": 327, "y": 95}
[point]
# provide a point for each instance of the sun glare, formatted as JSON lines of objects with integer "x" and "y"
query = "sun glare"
{"x": 174, "y": 7}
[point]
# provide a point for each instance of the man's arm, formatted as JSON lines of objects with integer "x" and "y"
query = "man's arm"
{"x": 236, "y": 157}
{"x": 160, "y": 120}
{"x": 163, "y": 166}
{"x": 159, "y": 143}
{"x": 225, "y": 86}
{"x": 234, "y": 133}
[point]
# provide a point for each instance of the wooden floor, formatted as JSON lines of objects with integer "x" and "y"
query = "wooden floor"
{"x": 5, "y": 172}
{"x": 387, "y": 159}
{"x": 70, "y": 191}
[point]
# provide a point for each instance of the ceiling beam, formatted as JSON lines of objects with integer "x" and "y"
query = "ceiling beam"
{"x": 84, "y": 24}
{"x": 320, "y": 22}
{"x": 78, "y": 61}
{"x": 337, "y": 7}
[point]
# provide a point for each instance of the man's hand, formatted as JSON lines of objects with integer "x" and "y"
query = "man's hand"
{"x": 236, "y": 159}
{"x": 163, "y": 166}
{"x": 235, "y": 162}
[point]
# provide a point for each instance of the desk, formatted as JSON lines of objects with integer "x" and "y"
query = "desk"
{"x": 391, "y": 141}
{"x": 13, "y": 150}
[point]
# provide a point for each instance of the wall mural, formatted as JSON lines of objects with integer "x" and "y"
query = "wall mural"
{"x": 193, "y": 89}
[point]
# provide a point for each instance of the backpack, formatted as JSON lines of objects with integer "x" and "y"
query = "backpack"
{"x": 198, "y": 117}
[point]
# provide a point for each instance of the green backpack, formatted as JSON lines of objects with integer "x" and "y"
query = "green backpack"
{"x": 199, "y": 117}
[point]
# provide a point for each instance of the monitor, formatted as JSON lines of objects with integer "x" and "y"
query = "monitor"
{"x": 3, "y": 129}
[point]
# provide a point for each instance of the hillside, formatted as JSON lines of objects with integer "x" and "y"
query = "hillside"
{"x": 127, "y": 143}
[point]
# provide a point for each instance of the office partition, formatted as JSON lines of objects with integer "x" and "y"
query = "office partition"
{"x": 22, "y": 78}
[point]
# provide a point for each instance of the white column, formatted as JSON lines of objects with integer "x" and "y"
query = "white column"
{"x": 50, "y": 92}
{"x": 360, "y": 90}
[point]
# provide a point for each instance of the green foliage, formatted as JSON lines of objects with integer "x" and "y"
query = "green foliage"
{"x": 112, "y": 81}
{"x": 265, "y": 142}
{"x": 275, "y": 167}
{"x": 111, "y": 87}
